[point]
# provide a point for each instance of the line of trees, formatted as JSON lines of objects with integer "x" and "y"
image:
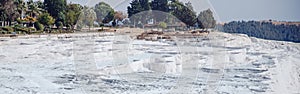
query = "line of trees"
{"x": 39, "y": 14}
{"x": 49, "y": 13}
{"x": 182, "y": 11}
{"x": 265, "y": 30}
{"x": 99, "y": 15}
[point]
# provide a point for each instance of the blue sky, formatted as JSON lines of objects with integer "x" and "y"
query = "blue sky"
{"x": 229, "y": 10}
{"x": 283, "y": 10}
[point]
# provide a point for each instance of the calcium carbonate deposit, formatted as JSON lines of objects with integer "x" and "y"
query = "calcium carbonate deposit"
{"x": 103, "y": 63}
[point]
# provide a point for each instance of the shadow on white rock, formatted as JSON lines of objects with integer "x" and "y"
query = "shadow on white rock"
{"x": 147, "y": 65}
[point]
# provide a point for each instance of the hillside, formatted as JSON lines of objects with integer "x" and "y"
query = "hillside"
{"x": 107, "y": 63}
{"x": 272, "y": 30}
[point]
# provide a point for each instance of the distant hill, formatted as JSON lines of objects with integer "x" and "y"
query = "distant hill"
{"x": 272, "y": 30}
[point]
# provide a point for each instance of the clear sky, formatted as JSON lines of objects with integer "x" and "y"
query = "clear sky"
{"x": 229, "y": 10}
{"x": 284, "y": 10}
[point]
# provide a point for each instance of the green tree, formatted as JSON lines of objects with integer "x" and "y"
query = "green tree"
{"x": 40, "y": 4}
{"x": 145, "y": 4}
{"x": 160, "y": 5}
{"x": 90, "y": 15}
{"x": 59, "y": 25}
{"x": 21, "y": 7}
{"x": 2, "y": 15}
{"x": 189, "y": 5}
{"x": 109, "y": 17}
{"x": 9, "y": 10}
{"x": 103, "y": 10}
{"x": 137, "y": 6}
{"x": 38, "y": 26}
{"x": 33, "y": 9}
{"x": 70, "y": 19}
{"x": 134, "y": 8}
{"x": 206, "y": 19}
{"x": 60, "y": 19}
{"x": 87, "y": 17}
{"x": 56, "y": 8}
{"x": 146, "y": 8}
{"x": 183, "y": 13}
{"x": 72, "y": 15}
{"x": 46, "y": 19}
{"x": 139, "y": 11}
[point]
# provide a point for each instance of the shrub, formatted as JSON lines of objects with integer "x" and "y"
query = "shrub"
{"x": 9, "y": 29}
{"x": 20, "y": 21}
{"x": 24, "y": 30}
{"x": 3, "y": 32}
{"x": 59, "y": 25}
{"x": 46, "y": 19}
{"x": 17, "y": 26}
{"x": 163, "y": 25}
{"x": 38, "y": 26}
{"x": 101, "y": 25}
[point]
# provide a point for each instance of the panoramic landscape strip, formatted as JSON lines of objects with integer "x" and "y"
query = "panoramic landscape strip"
{"x": 149, "y": 46}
